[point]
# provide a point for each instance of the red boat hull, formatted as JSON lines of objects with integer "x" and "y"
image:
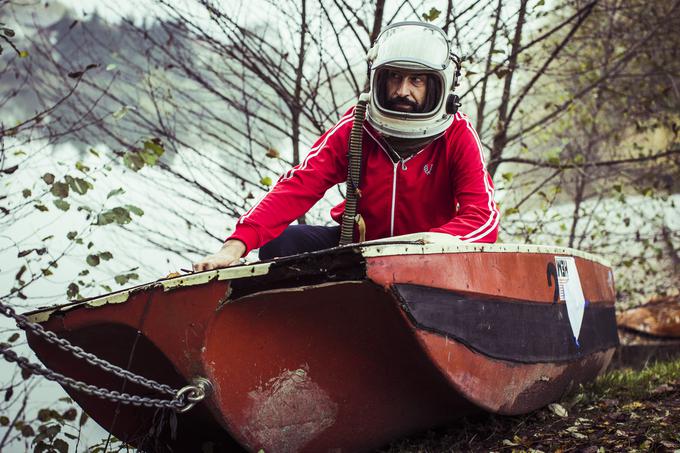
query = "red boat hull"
{"x": 344, "y": 349}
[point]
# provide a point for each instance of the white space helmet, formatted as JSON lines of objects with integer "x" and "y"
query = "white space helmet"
{"x": 421, "y": 48}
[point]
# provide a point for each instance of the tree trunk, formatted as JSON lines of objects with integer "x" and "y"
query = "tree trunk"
{"x": 501, "y": 135}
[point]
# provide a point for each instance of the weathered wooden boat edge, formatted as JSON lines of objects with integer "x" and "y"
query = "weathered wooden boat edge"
{"x": 412, "y": 244}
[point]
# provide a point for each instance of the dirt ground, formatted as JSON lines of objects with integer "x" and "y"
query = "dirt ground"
{"x": 624, "y": 410}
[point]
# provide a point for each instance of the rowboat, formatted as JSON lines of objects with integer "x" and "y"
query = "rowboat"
{"x": 344, "y": 349}
{"x": 649, "y": 332}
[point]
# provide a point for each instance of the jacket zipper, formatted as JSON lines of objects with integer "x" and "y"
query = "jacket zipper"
{"x": 394, "y": 187}
{"x": 394, "y": 195}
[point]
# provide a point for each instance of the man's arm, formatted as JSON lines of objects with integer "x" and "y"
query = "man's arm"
{"x": 477, "y": 216}
{"x": 295, "y": 192}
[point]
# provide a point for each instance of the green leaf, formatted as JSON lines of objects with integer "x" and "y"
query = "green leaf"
{"x": 62, "y": 204}
{"x": 105, "y": 256}
{"x": 134, "y": 209}
{"x": 106, "y": 288}
{"x": 133, "y": 161}
{"x": 154, "y": 146}
{"x": 115, "y": 192}
{"x": 78, "y": 185}
{"x": 23, "y": 54}
{"x": 82, "y": 167}
{"x": 71, "y": 235}
{"x": 14, "y": 337}
{"x": 120, "y": 113}
{"x": 70, "y": 414}
{"x": 431, "y": 15}
{"x": 124, "y": 278}
{"x": 266, "y": 181}
{"x": 94, "y": 152}
{"x": 26, "y": 193}
{"x": 92, "y": 260}
{"x": 72, "y": 291}
{"x": 44, "y": 415}
{"x": 59, "y": 189}
{"x": 122, "y": 215}
{"x": 48, "y": 178}
{"x": 507, "y": 176}
{"x": 60, "y": 445}
{"x": 20, "y": 272}
{"x": 510, "y": 211}
{"x": 118, "y": 215}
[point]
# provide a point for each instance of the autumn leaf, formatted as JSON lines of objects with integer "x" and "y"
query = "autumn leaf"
{"x": 431, "y": 15}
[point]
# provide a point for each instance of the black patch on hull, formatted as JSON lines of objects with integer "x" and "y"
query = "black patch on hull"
{"x": 514, "y": 330}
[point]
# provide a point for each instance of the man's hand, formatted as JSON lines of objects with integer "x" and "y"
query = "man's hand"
{"x": 228, "y": 255}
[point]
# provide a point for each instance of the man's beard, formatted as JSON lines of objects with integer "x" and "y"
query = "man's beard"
{"x": 398, "y": 102}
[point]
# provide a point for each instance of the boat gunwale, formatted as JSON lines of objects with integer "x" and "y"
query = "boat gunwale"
{"x": 412, "y": 244}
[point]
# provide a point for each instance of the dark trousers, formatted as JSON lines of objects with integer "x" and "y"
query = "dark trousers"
{"x": 299, "y": 239}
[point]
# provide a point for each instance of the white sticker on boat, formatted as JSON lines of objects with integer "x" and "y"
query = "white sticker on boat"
{"x": 571, "y": 292}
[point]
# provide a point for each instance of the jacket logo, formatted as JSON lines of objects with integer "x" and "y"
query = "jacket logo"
{"x": 428, "y": 168}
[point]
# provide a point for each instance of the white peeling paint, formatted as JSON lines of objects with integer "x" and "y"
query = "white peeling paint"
{"x": 436, "y": 243}
{"x": 116, "y": 298}
{"x": 288, "y": 412}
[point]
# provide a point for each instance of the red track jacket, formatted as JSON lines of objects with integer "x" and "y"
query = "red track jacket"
{"x": 443, "y": 188}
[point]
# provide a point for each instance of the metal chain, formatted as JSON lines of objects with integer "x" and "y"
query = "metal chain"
{"x": 183, "y": 400}
{"x": 63, "y": 344}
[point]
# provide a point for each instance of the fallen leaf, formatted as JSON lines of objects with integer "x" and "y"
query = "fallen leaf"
{"x": 558, "y": 410}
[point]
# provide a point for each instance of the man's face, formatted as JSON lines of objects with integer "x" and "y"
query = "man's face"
{"x": 406, "y": 90}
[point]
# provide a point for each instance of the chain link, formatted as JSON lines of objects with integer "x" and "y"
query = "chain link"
{"x": 63, "y": 344}
{"x": 100, "y": 392}
{"x": 182, "y": 399}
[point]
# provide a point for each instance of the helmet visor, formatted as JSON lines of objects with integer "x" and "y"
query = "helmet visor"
{"x": 413, "y": 43}
{"x": 407, "y": 93}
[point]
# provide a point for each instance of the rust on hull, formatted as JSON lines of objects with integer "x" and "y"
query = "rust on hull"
{"x": 342, "y": 349}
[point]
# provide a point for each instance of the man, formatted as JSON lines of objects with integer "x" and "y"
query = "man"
{"x": 422, "y": 165}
